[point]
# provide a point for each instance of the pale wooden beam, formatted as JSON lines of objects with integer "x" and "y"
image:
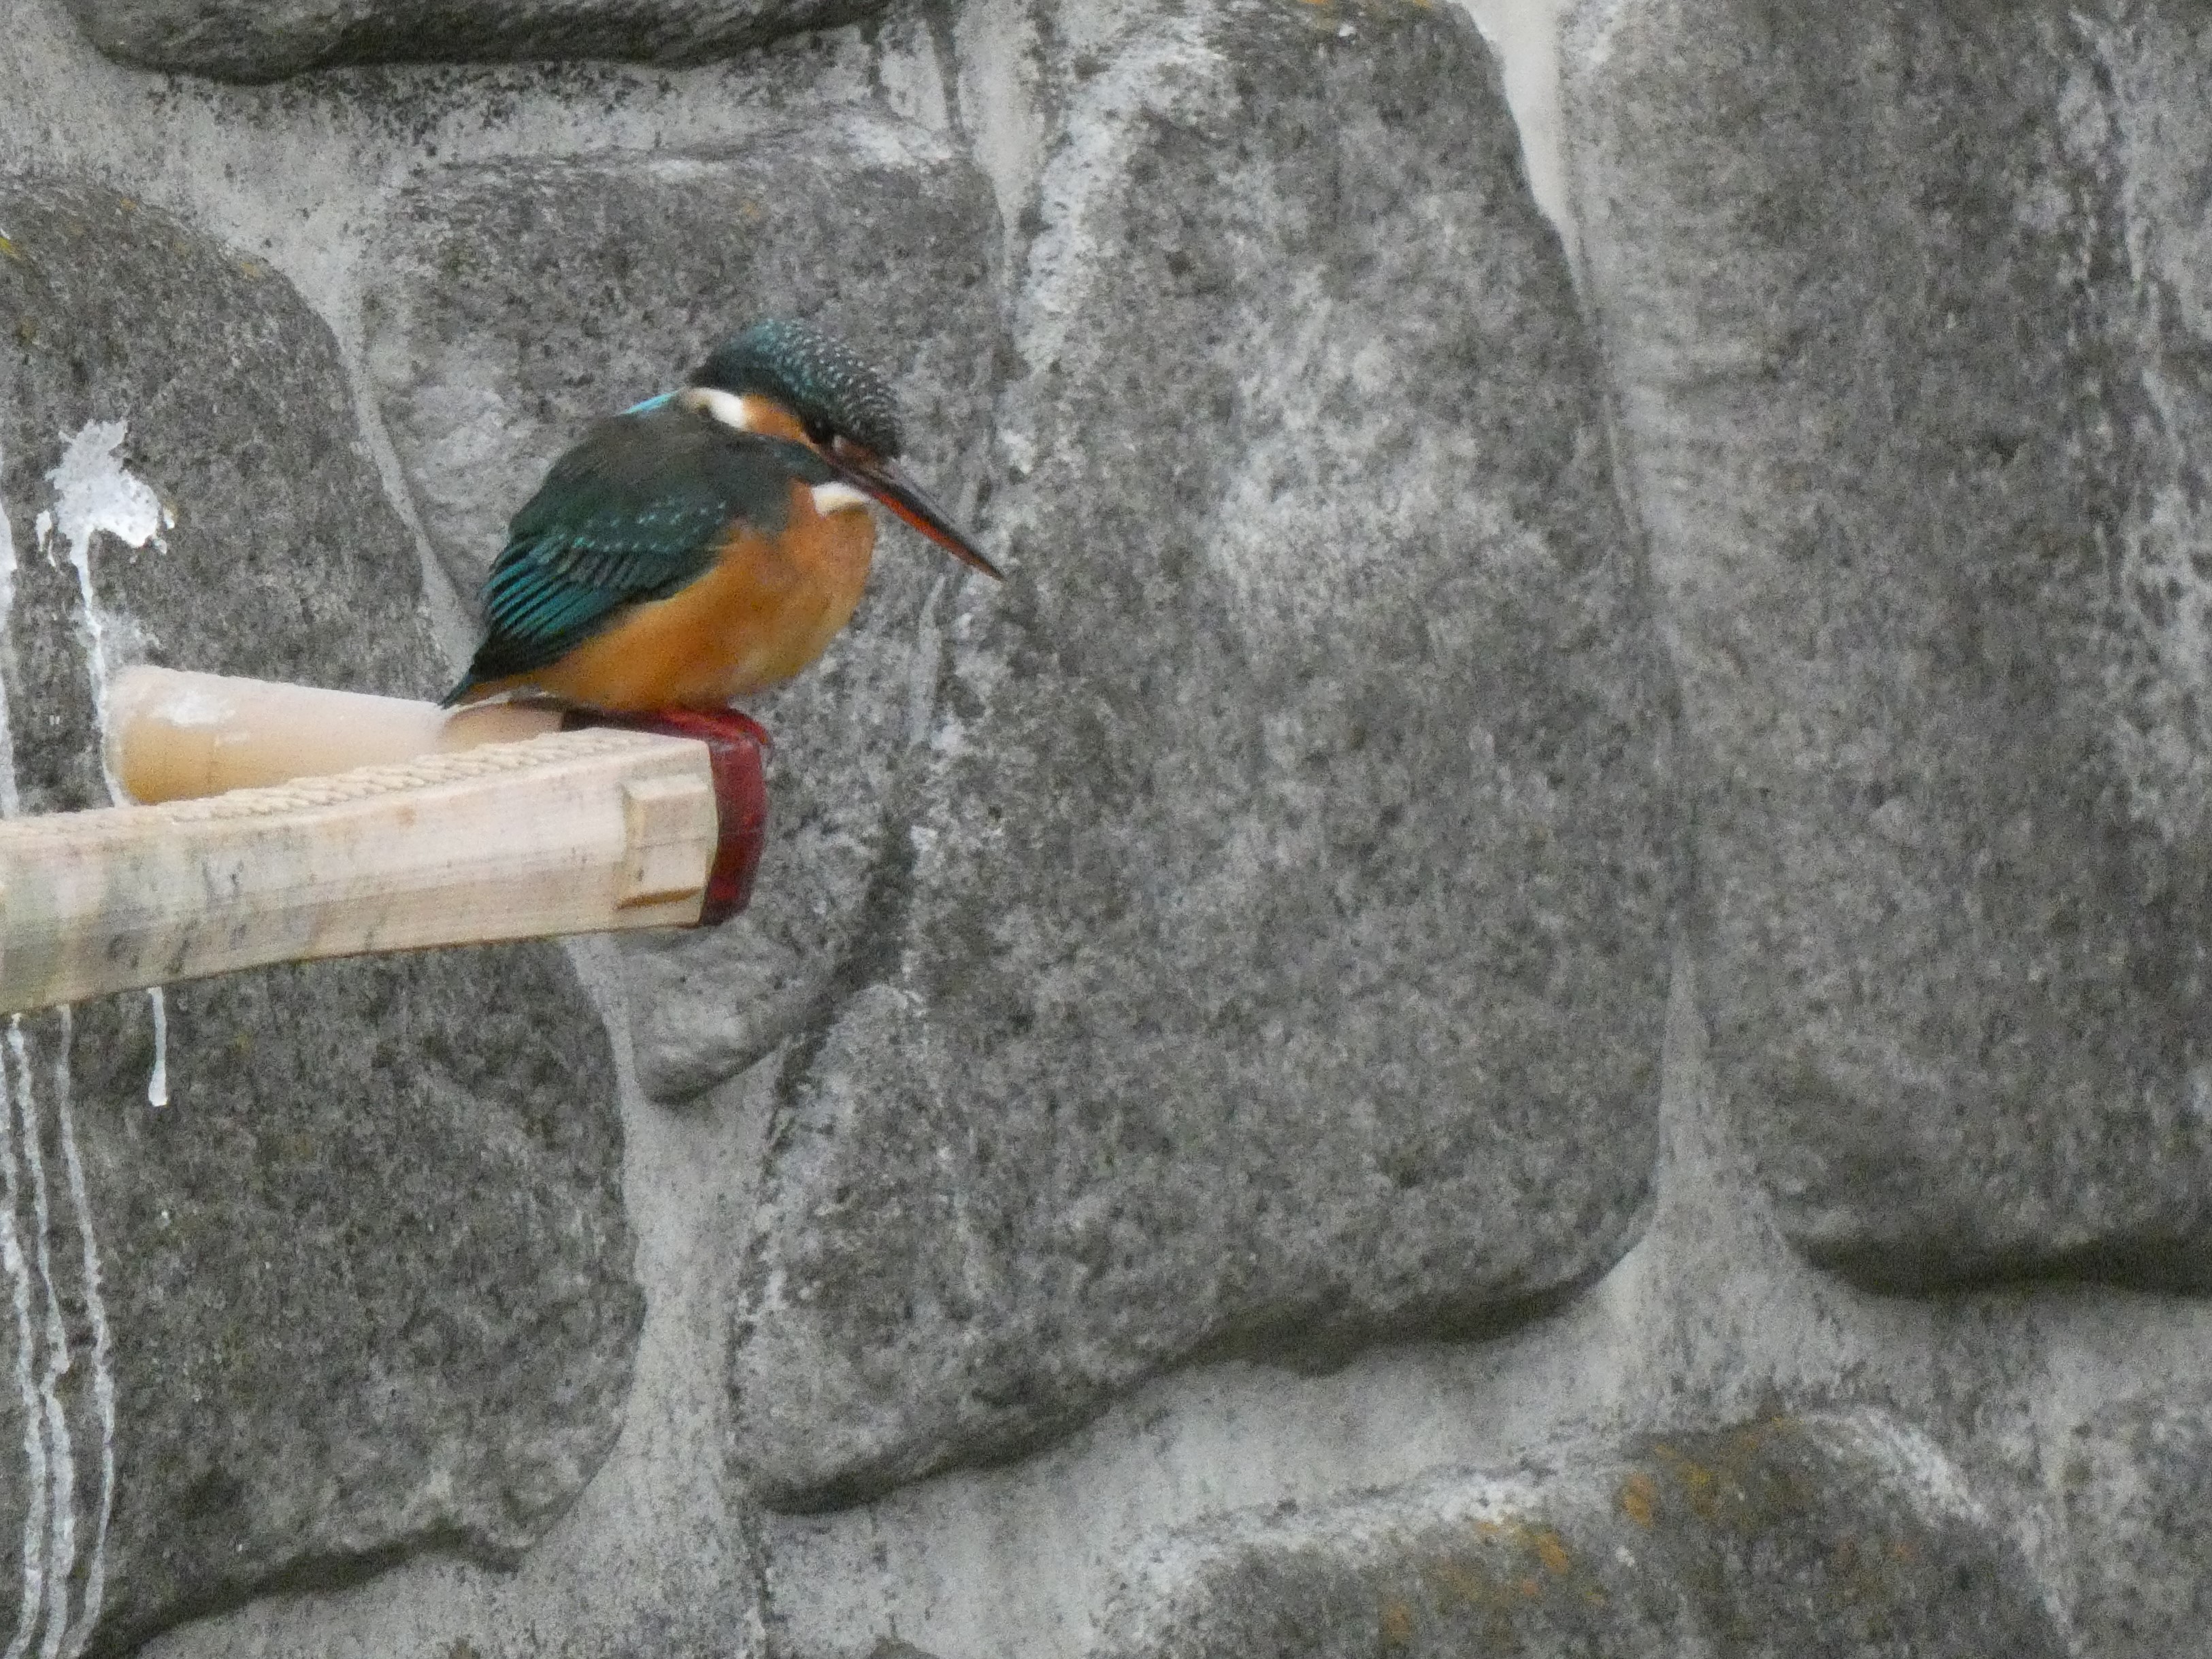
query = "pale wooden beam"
{"x": 573, "y": 833}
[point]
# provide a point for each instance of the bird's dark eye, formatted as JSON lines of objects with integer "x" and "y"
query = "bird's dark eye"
{"x": 819, "y": 434}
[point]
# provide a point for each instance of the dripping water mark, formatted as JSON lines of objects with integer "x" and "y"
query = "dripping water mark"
{"x": 95, "y": 492}
{"x": 37, "y": 1490}
{"x": 45, "y": 1354}
{"x": 87, "y": 501}
{"x": 78, "y": 1634}
{"x": 61, "y": 1456}
{"x": 157, "y": 1078}
{"x": 11, "y": 800}
{"x": 32, "y": 1601}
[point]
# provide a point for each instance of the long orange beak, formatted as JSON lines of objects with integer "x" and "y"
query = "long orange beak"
{"x": 891, "y": 483}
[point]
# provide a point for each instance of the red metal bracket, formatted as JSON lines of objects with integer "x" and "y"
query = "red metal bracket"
{"x": 736, "y": 747}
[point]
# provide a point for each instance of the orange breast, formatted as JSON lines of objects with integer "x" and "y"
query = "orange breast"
{"x": 768, "y": 608}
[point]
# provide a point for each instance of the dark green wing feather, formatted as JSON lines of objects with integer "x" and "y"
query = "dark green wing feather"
{"x": 633, "y": 513}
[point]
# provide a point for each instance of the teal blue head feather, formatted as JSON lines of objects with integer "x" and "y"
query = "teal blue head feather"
{"x": 816, "y": 376}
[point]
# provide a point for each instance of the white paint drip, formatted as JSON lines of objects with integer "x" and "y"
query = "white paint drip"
{"x": 61, "y": 1460}
{"x": 34, "y": 1439}
{"x": 36, "y": 1515}
{"x": 11, "y": 800}
{"x": 11, "y": 1250}
{"x": 49, "y": 1546}
{"x": 157, "y": 1080}
{"x": 103, "y": 1375}
{"x": 94, "y": 492}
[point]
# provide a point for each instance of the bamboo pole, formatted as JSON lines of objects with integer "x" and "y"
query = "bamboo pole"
{"x": 173, "y": 735}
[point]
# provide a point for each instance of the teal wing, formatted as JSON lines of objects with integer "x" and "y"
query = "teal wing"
{"x": 635, "y": 512}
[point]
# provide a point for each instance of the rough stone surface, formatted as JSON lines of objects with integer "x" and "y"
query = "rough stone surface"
{"x": 2135, "y": 1484}
{"x": 1272, "y": 959}
{"x": 363, "y": 1284}
{"x": 519, "y": 303}
{"x": 1908, "y": 310}
{"x": 269, "y": 40}
{"x": 1840, "y": 1536}
{"x": 1711, "y": 1319}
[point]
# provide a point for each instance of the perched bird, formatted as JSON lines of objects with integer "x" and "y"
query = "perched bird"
{"x": 706, "y": 542}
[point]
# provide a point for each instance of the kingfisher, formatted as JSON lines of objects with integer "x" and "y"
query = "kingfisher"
{"x": 705, "y": 543}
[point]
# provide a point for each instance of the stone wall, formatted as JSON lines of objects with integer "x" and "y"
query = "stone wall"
{"x": 1533, "y": 987}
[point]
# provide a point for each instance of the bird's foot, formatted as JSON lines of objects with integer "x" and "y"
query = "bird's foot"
{"x": 707, "y": 725}
{"x": 735, "y": 746}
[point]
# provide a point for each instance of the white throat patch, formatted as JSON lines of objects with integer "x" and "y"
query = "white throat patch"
{"x": 837, "y": 498}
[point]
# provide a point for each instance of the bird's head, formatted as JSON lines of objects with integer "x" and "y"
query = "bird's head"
{"x": 791, "y": 380}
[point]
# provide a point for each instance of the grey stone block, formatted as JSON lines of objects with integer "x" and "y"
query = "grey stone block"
{"x": 1908, "y": 314}
{"x": 2135, "y": 1479}
{"x": 270, "y": 39}
{"x": 1270, "y": 958}
{"x": 1834, "y": 1536}
{"x": 517, "y": 303}
{"x": 363, "y": 1286}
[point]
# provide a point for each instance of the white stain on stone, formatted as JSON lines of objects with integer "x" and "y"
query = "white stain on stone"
{"x": 85, "y": 503}
{"x": 95, "y": 492}
{"x": 157, "y": 1080}
{"x": 12, "y": 1260}
{"x": 92, "y": 493}
{"x": 79, "y": 1633}
{"x": 61, "y": 1458}
{"x": 11, "y": 798}
{"x": 35, "y": 1437}
{"x": 50, "y": 1544}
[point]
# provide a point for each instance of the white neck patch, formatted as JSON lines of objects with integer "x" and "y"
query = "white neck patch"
{"x": 724, "y": 406}
{"x": 837, "y": 498}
